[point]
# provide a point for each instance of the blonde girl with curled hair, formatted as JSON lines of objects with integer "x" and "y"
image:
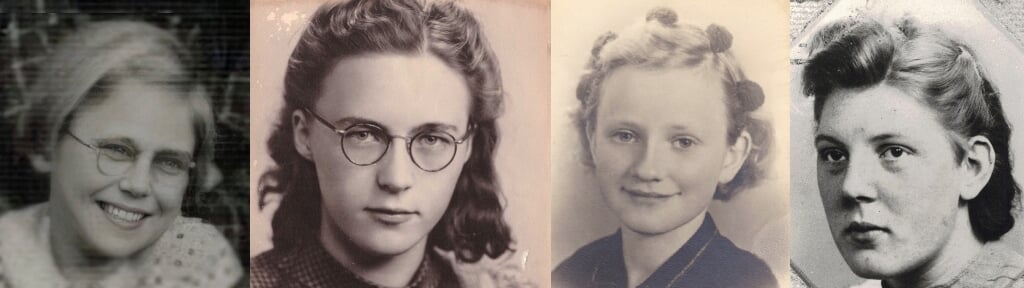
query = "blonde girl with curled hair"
{"x": 667, "y": 123}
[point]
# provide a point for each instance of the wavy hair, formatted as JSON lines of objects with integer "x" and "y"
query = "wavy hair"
{"x": 89, "y": 63}
{"x": 660, "y": 42}
{"x": 939, "y": 71}
{"x": 472, "y": 225}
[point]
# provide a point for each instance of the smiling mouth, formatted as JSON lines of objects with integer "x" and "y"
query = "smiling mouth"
{"x": 121, "y": 214}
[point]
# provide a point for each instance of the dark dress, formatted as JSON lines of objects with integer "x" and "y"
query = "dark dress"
{"x": 309, "y": 265}
{"x": 708, "y": 259}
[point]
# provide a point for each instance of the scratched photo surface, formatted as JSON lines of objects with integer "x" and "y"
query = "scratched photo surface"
{"x": 992, "y": 32}
{"x": 64, "y": 64}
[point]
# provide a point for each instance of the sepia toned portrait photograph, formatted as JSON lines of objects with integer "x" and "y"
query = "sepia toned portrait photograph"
{"x": 123, "y": 142}
{"x": 903, "y": 169}
{"x": 400, "y": 143}
{"x": 669, "y": 134}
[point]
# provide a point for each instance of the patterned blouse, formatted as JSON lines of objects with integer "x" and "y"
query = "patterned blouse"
{"x": 189, "y": 254}
{"x": 309, "y": 265}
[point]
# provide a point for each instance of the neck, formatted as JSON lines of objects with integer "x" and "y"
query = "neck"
{"x": 74, "y": 258}
{"x": 384, "y": 270}
{"x": 953, "y": 257}
{"x": 644, "y": 253}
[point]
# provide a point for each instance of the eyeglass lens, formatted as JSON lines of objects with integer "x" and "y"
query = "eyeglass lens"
{"x": 114, "y": 159}
{"x": 366, "y": 144}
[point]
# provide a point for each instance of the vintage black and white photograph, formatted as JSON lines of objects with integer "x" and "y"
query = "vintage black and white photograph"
{"x": 123, "y": 144}
{"x": 669, "y": 134}
{"x": 400, "y": 143}
{"x": 902, "y": 116}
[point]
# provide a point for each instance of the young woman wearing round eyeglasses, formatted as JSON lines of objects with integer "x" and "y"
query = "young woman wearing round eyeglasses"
{"x": 121, "y": 127}
{"x": 384, "y": 151}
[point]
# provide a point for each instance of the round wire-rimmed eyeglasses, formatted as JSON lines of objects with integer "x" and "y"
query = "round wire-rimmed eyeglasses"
{"x": 115, "y": 159}
{"x": 364, "y": 144}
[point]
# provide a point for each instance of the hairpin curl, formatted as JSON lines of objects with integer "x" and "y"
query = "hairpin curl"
{"x": 720, "y": 38}
{"x": 664, "y": 15}
{"x": 750, "y": 94}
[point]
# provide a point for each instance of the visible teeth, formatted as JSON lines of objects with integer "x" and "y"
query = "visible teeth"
{"x": 121, "y": 213}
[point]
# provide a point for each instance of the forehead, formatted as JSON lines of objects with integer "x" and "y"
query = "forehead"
{"x": 876, "y": 110}
{"x": 153, "y": 116}
{"x": 399, "y": 91}
{"x": 663, "y": 95}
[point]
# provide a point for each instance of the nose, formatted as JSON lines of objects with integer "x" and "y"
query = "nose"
{"x": 646, "y": 166}
{"x": 858, "y": 184}
{"x": 395, "y": 174}
{"x": 138, "y": 180}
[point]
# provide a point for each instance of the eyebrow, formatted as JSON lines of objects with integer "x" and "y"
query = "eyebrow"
{"x": 883, "y": 137}
{"x": 429, "y": 126}
{"x": 826, "y": 138}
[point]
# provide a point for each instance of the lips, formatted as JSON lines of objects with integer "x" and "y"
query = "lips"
{"x": 121, "y": 215}
{"x": 648, "y": 194}
{"x": 391, "y": 216}
{"x": 864, "y": 233}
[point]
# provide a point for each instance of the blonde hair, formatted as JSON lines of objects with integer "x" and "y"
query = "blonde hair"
{"x": 91, "y": 61}
{"x": 660, "y": 42}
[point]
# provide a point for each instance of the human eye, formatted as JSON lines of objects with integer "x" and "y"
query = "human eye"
{"x": 832, "y": 155}
{"x": 172, "y": 165}
{"x": 684, "y": 142}
{"x": 363, "y": 134}
{"x": 433, "y": 140}
{"x": 624, "y": 136}
{"x": 894, "y": 152}
{"x": 117, "y": 151}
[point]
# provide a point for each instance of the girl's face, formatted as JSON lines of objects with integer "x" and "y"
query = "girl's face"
{"x": 115, "y": 212}
{"x": 386, "y": 208}
{"x": 889, "y": 180}
{"x": 659, "y": 146}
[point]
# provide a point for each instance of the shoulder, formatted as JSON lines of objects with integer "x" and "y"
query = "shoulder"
{"x": 506, "y": 270}
{"x": 998, "y": 265}
{"x": 196, "y": 253}
{"x": 744, "y": 268}
{"x": 579, "y": 267}
{"x": 263, "y": 268}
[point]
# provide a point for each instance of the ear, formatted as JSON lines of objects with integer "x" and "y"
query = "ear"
{"x": 40, "y": 162}
{"x": 300, "y": 133}
{"x": 735, "y": 156}
{"x": 978, "y": 164}
{"x": 591, "y": 144}
{"x": 466, "y": 149}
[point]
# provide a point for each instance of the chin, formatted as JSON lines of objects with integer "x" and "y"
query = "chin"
{"x": 120, "y": 248}
{"x": 385, "y": 245}
{"x": 872, "y": 265}
{"x": 648, "y": 226}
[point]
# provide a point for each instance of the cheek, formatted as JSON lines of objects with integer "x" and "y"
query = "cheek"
{"x": 923, "y": 194}
{"x": 829, "y": 185}
{"x": 169, "y": 200}
{"x": 611, "y": 164}
{"x": 75, "y": 174}
{"x": 343, "y": 184}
